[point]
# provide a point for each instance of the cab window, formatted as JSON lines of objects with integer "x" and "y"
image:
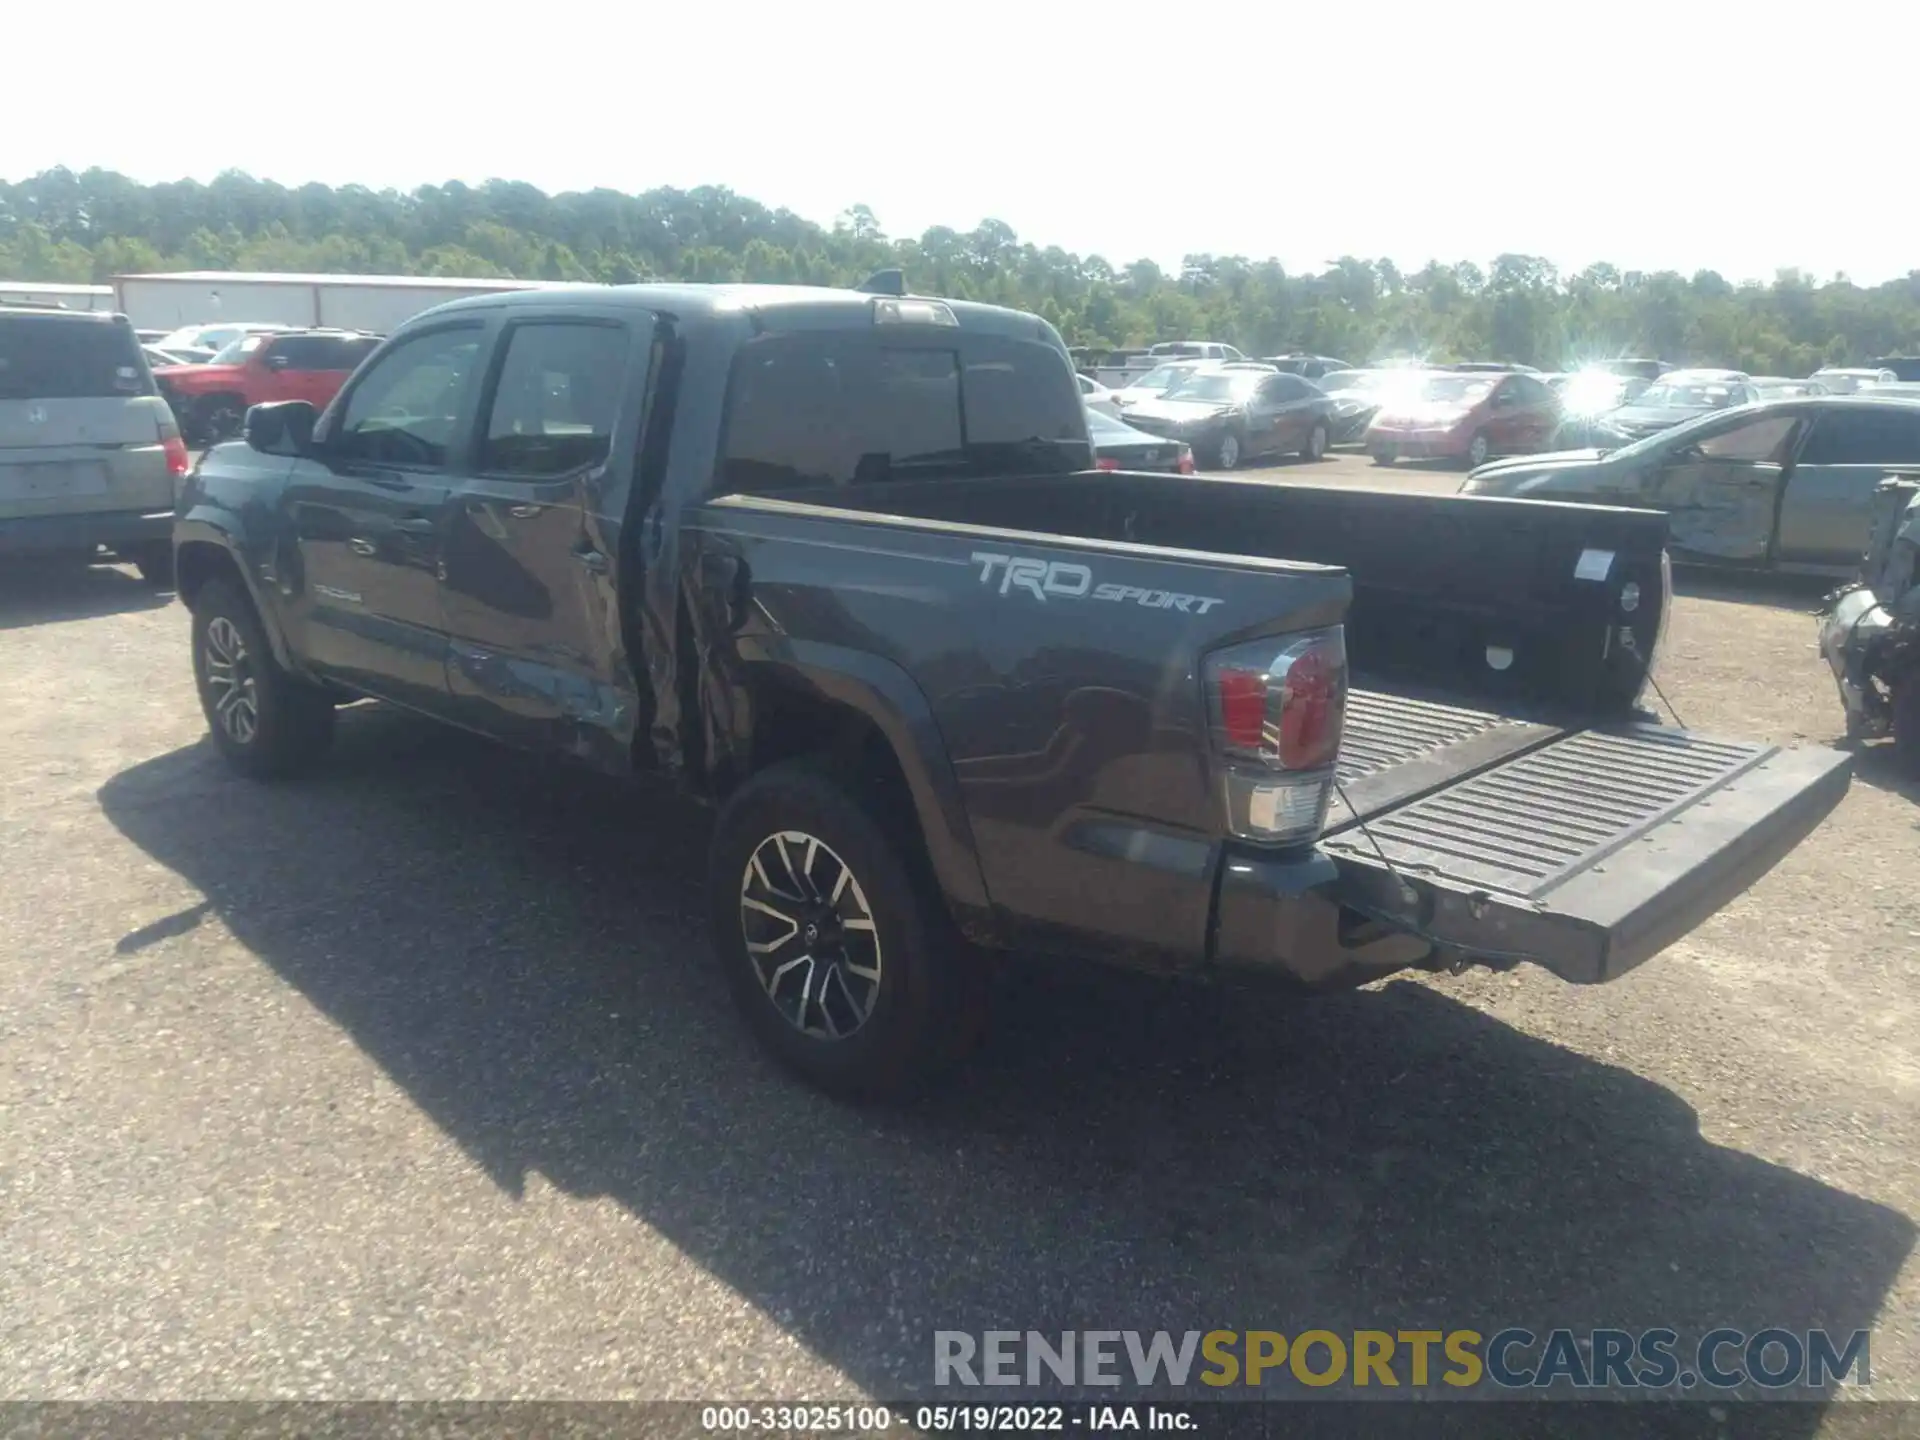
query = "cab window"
{"x": 404, "y": 409}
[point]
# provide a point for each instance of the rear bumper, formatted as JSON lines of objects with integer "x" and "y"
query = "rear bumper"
{"x": 115, "y": 529}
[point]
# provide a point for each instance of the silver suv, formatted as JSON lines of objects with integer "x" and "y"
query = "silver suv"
{"x": 90, "y": 456}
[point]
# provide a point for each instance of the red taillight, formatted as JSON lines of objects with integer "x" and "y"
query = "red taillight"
{"x": 175, "y": 449}
{"x": 1243, "y": 706}
{"x": 1186, "y": 461}
{"x": 1106, "y": 463}
{"x": 1277, "y": 708}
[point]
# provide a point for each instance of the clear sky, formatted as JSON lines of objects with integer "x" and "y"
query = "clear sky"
{"x": 1740, "y": 138}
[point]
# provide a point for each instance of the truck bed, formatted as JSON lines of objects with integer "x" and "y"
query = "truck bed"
{"x": 1502, "y": 795}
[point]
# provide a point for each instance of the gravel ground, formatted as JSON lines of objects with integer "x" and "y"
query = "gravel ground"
{"x": 415, "y": 1080}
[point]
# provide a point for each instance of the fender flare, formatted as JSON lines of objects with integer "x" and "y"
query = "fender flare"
{"x": 887, "y": 696}
{"x": 199, "y": 530}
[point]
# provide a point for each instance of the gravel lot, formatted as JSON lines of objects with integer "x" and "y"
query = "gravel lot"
{"x": 415, "y": 1080}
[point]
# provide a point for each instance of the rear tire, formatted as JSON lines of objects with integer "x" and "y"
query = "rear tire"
{"x": 1384, "y": 457}
{"x": 1478, "y": 450}
{"x": 1316, "y": 446}
{"x": 265, "y": 723}
{"x": 835, "y": 945}
{"x": 1228, "y": 451}
{"x": 1906, "y": 722}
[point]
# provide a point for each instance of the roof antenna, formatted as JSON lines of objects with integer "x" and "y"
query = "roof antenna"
{"x": 885, "y": 282}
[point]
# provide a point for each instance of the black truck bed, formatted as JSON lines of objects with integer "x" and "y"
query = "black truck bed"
{"x": 1502, "y": 795}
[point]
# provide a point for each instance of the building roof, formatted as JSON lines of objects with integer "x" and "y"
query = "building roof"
{"x": 35, "y": 287}
{"x": 410, "y": 282}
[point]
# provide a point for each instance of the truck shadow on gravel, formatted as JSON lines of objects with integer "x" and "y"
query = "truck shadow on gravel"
{"x": 521, "y": 949}
{"x": 33, "y": 594}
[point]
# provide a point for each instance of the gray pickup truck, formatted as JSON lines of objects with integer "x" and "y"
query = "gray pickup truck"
{"x": 839, "y": 563}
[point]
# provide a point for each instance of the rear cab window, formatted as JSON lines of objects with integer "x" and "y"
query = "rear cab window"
{"x": 833, "y": 408}
{"x": 54, "y": 357}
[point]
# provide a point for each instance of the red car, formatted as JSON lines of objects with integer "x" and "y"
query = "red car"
{"x": 1470, "y": 417}
{"x": 211, "y": 400}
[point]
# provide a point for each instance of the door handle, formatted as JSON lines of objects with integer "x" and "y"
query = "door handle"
{"x": 524, "y": 512}
{"x": 360, "y": 545}
{"x": 593, "y": 560}
{"x": 414, "y": 525}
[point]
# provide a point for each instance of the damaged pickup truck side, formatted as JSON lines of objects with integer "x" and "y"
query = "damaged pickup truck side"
{"x": 839, "y": 562}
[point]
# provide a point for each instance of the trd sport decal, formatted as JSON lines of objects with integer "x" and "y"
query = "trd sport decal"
{"x": 1060, "y": 580}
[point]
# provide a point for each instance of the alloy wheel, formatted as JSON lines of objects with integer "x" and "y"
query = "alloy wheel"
{"x": 810, "y": 934}
{"x": 1229, "y": 452}
{"x": 1477, "y": 450}
{"x": 231, "y": 685}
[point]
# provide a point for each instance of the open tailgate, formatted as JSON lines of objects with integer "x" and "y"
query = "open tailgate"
{"x": 1585, "y": 851}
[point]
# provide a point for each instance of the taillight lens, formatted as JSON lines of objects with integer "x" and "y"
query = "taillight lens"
{"x": 1186, "y": 461}
{"x": 1106, "y": 463}
{"x": 175, "y": 449}
{"x": 1277, "y": 708}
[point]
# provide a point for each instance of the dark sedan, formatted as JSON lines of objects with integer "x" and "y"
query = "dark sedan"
{"x": 1229, "y": 416}
{"x": 1784, "y": 484}
{"x": 1121, "y": 447}
{"x": 1676, "y": 397}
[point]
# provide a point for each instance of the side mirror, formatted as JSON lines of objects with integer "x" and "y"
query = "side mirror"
{"x": 282, "y": 428}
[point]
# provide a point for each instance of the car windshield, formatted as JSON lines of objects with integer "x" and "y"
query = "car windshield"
{"x": 1688, "y": 395}
{"x": 1218, "y": 385}
{"x": 238, "y": 351}
{"x": 1349, "y": 380}
{"x": 1453, "y": 389}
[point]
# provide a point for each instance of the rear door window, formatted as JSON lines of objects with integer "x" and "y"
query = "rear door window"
{"x": 556, "y": 399}
{"x": 806, "y": 410}
{"x": 1863, "y": 437}
{"x": 44, "y": 357}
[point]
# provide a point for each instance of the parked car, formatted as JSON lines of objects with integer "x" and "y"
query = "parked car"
{"x": 156, "y": 357}
{"x": 1356, "y": 395}
{"x": 1631, "y": 367}
{"x": 1231, "y": 416}
{"x": 1906, "y": 368}
{"x": 1445, "y": 415}
{"x": 1783, "y": 484}
{"x": 1844, "y": 380}
{"x": 1117, "y": 446}
{"x": 1312, "y": 367}
{"x": 1098, "y": 397}
{"x": 1892, "y": 390}
{"x": 945, "y": 683}
{"x": 212, "y": 399}
{"x": 1488, "y": 367}
{"x": 200, "y": 343}
{"x": 90, "y": 456}
{"x": 1193, "y": 350}
{"x": 1677, "y": 396}
{"x": 1587, "y": 399}
{"x": 1782, "y": 387}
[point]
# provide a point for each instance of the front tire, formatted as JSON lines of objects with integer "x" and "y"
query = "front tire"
{"x": 1316, "y": 446}
{"x": 218, "y": 417}
{"x": 834, "y": 945}
{"x": 1478, "y": 449}
{"x": 265, "y": 723}
{"x": 1227, "y": 453}
{"x": 1385, "y": 457}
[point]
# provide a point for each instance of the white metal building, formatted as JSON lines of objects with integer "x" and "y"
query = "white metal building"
{"x": 348, "y": 302}
{"x": 67, "y": 297}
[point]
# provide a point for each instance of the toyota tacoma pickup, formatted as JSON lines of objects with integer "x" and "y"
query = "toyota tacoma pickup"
{"x": 840, "y": 563}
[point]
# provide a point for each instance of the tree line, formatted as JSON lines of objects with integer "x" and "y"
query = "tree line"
{"x": 90, "y": 226}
